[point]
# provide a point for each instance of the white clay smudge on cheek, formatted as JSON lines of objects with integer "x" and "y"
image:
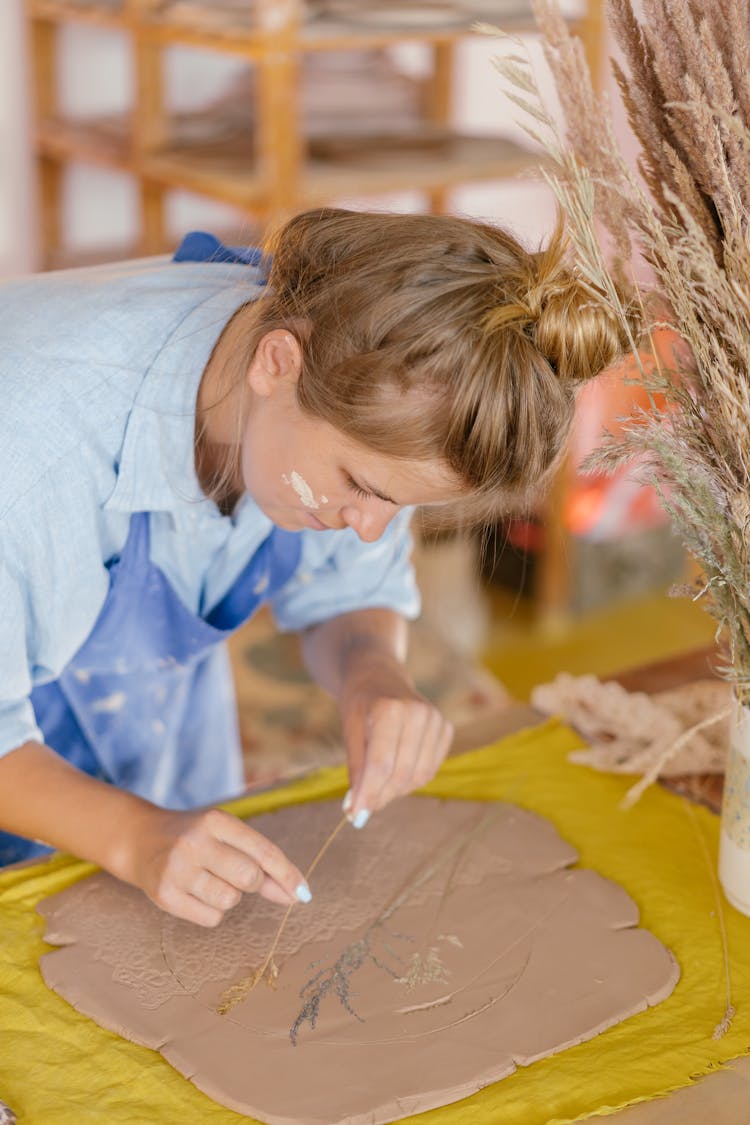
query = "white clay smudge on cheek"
{"x": 302, "y": 488}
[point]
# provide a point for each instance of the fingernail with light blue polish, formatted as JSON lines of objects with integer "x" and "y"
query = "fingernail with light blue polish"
{"x": 303, "y": 893}
{"x": 361, "y": 819}
{"x": 346, "y": 804}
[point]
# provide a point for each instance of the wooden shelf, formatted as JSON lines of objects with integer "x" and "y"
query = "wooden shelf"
{"x": 268, "y": 168}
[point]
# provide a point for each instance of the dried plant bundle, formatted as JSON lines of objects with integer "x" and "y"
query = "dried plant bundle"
{"x": 685, "y": 211}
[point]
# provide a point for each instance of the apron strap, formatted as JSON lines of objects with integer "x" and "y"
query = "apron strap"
{"x": 200, "y": 246}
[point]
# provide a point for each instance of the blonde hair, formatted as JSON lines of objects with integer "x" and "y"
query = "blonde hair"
{"x": 432, "y": 337}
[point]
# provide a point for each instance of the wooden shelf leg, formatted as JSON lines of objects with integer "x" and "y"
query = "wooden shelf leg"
{"x": 44, "y": 75}
{"x": 439, "y": 109}
{"x": 150, "y": 131}
{"x": 50, "y": 190}
{"x": 153, "y": 233}
{"x": 44, "y": 83}
{"x": 553, "y": 585}
{"x": 438, "y": 201}
{"x": 593, "y": 34}
{"x": 279, "y": 142}
{"x": 279, "y": 148}
{"x": 439, "y": 91}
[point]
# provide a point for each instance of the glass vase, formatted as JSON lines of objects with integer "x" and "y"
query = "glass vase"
{"x": 734, "y": 848}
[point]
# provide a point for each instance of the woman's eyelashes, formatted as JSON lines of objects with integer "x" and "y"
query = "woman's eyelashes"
{"x": 366, "y": 493}
{"x": 357, "y": 489}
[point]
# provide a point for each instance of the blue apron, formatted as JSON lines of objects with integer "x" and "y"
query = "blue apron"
{"x": 147, "y": 702}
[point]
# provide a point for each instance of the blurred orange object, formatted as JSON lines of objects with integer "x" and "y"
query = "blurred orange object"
{"x": 605, "y": 506}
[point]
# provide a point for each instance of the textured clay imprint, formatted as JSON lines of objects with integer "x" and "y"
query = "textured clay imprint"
{"x": 447, "y": 944}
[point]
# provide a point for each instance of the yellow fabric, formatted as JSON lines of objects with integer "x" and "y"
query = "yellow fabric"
{"x": 59, "y": 1068}
{"x": 647, "y": 629}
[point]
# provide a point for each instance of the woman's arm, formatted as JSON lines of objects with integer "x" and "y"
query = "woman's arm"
{"x": 195, "y": 865}
{"x": 331, "y": 647}
{"x": 395, "y": 739}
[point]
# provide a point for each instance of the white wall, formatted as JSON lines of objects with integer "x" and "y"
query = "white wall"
{"x": 17, "y": 228}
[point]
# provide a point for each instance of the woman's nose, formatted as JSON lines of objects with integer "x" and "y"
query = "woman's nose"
{"x": 368, "y": 524}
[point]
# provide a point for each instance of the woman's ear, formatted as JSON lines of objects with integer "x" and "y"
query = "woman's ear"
{"x": 277, "y": 361}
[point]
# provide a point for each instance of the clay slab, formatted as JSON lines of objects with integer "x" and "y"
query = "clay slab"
{"x": 446, "y": 944}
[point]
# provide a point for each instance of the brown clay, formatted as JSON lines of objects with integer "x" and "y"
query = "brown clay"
{"x": 446, "y": 944}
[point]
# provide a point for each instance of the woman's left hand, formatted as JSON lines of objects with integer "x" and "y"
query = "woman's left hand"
{"x": 395, "y": 739}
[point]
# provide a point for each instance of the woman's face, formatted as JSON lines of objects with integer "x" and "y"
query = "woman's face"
{"x": 304, "y": 473}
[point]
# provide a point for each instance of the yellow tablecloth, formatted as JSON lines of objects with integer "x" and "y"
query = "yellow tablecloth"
{"x": 59, "y": 1068}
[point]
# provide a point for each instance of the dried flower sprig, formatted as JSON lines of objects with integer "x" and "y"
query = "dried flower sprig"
{"x": 237, "y": 992}
{"x": 686, "y": 211}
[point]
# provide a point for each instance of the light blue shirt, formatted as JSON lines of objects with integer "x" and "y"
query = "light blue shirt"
{"x": 100, "y": 370}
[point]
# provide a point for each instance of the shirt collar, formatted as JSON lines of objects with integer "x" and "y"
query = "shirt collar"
{"x": 156, "y": 470}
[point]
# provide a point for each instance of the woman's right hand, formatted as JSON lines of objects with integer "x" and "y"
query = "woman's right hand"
{"x": 197, "y": 865}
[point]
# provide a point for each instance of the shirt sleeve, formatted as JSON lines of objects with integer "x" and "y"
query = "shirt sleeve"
{"x": 52, "y": 586}
{"x": 338, "y": 573}
{"x": 17, "y": 721}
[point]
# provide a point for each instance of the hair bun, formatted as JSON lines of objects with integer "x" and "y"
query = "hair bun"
{"x": 578, "y": 331}
{"x": 571, "y": 323}
{"x": 574, "y": 325}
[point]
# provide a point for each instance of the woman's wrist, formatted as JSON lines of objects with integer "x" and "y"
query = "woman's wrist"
{"x": 365, "y": 663}
{"x": 132, "y": 821}
{"x": 45, "y": 798}
{"x": 349, "y": 647}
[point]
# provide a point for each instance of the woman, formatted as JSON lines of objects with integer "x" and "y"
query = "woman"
{"x": 183, "y": 441}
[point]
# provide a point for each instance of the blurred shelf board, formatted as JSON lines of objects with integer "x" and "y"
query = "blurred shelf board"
{"x": 315, "y": 35}
{"x": 225, "y": 168}
{"x": 225, "y": 171}
{"x": 327, "y": 33}
{"x": 318, "y": 33}
{"x": 110, "y": 15}
{"x": 330, "y": 36}
{"x": 373, "y": 168}
{"x": 102, "y": 141}
{"x": 230, "y": 177}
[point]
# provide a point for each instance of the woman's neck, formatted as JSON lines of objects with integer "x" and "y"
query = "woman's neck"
{"x": 220, "y": 412}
